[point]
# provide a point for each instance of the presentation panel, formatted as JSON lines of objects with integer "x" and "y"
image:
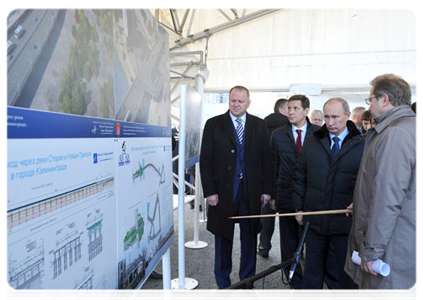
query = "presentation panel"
{"x": 61, "y": 218}
{"x": 144, "y": 185}
{"x": 89, "y": 193}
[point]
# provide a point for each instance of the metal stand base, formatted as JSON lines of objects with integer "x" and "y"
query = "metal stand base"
{"x": 199, "y": 245}
{"x": 190, "y": 284}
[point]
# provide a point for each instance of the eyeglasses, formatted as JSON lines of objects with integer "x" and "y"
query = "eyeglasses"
{"x": 369, "y": 100}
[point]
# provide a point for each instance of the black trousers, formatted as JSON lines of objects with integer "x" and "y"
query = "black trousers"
{"x": 223, "y": 246}
{"x": 316, "y": 260}
{"x": 289, "y": 239}
{"x": 267, "y": 229}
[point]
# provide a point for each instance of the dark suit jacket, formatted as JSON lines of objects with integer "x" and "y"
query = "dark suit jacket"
{"x": 285, "y": 156}
{"x": 217, "y": 166}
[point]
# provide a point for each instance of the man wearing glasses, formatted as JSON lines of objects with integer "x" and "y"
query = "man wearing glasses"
{"x": 384, "y": 209}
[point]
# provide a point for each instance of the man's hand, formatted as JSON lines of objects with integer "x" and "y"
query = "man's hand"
{"x": 350, "y": 207}
{"x": 272, "y": 204}
{"x": 366, "y": 266}
{"x": 299, "y": 218}
{"x": 265, "y": 198}
{"x": 213, "y": 200}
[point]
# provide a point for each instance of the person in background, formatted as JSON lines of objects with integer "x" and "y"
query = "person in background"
{"x": 366, "y": 121}
{"x": 384, "y": 206}
{"x": 273, "y": 121}
{"x": 324, "y": 179}
{"x": 235, "y": 167}
{"x": 416, "y": 108}
{"x": 356, "y": 116}
{"x": 316, "y": 117}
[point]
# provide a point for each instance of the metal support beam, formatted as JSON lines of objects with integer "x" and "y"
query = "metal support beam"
{"x": 224, "y": 14}
{"x": 180, "y": 79}
{"x": 172, "y": 14}
{"x": 190, "y": 23}
{"x": 171, "y": 29}
{"x": 235, "y": 12}
{"x": 184, "y": 20}
{"x": 230, "y": 24}
{"x": 183, "y": 75}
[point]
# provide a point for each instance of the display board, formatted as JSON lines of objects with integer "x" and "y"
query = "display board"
{"x": 193, "y": 127}
{"x": 89, "y": 200}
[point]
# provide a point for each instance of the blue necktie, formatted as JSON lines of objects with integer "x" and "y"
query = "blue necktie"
{"x": 239, "y": 130}
{"x": 240, "y": 134}
{"x": 335, "y": 148}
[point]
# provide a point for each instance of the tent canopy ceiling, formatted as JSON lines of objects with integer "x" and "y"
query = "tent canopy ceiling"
{"x": 270, "y": 50}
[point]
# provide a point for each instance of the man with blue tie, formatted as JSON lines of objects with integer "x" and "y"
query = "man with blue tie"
{"x": 235, "y": 168}
{"x": 324, "y": 179}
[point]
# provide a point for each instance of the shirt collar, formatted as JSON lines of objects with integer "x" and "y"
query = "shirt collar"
{"x": 342, "y": 136}
{"x": 303, "y": 128}
{"x": 233, "y": 118}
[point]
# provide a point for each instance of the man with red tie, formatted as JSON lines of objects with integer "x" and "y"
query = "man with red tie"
{"x": 286, "y": 144}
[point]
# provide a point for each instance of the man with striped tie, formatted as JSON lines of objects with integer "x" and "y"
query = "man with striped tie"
{"x": 235, "y": 167}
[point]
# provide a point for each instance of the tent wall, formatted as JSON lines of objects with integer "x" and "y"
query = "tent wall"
{"x": 341, "y": 48}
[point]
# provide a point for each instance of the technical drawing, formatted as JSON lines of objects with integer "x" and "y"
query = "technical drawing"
{"x": 153, "y": 234}
{"x": 37, "y": 209}
{"x": 134, "y": 235}
{"x": 86, "y": 283}
{"x": 28, "y": 272}
{"x": 140, "y": 172}
{"x": 68, "y": 251}
{"x": 95, "y": 235}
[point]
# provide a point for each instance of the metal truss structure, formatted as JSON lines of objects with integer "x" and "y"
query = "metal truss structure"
{"x": 186, "y": 65}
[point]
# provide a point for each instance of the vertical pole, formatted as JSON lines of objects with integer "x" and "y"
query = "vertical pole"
{"x": 182, "y": 282}
{"x": 198, "y": 195}
{"x": 166, "y": 270}
{"x": 181, "y": 188}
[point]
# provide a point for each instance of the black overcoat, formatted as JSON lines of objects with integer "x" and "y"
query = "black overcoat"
{"x": 217, "y": 166}
{"x": 321, "y": 183}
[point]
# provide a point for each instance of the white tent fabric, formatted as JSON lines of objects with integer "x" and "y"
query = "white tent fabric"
{"x": 338, "y": 50}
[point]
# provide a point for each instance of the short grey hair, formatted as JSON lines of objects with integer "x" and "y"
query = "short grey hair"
{"x": 345, "y": 106}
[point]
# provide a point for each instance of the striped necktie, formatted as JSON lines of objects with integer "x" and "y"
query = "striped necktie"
{"x": 239, "y": 130}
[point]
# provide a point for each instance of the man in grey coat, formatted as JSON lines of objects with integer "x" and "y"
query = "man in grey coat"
{"x": 384, "y": 205}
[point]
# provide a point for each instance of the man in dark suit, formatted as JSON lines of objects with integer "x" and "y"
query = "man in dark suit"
{"x": 235, "y": 168}
{"x": 286, "y": 146}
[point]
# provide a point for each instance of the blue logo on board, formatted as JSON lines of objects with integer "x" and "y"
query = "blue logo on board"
{"x": 124, "y": 157}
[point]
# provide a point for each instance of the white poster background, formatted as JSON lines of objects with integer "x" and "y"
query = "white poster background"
{"x": 145, "y": 210}
{"x": 61, "y": 214}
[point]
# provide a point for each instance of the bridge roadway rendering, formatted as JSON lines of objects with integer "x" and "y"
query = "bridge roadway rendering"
{"x": 37, "y": 26}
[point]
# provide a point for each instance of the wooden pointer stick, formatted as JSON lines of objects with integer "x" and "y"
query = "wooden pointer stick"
{"x": 304, "y": 213}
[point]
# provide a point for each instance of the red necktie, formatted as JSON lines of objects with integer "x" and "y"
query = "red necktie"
{"x": 298, "y": 142}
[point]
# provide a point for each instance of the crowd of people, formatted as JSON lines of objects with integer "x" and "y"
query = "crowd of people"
{"x": 360, "y": 160}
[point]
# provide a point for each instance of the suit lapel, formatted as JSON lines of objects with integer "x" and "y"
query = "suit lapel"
{"x": 249, "y": 128}
{"x": 229, "y": 128}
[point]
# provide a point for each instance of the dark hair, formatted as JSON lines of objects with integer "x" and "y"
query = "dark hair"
{"x": 416, "y": 107}
{"x": 366, "y": 116}
{"x": 240, "y": 87}
{"x": 280, "y": 103}
{"x": 305, "y": 103}
{"x": 395, "y": 87}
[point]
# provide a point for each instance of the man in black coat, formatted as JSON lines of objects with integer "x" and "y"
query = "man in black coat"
{"x": 235, "y": 168}
{"x": 324, "y": 179}
{"x": 273, "y": 121}
{"x": 286, "y": 146}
